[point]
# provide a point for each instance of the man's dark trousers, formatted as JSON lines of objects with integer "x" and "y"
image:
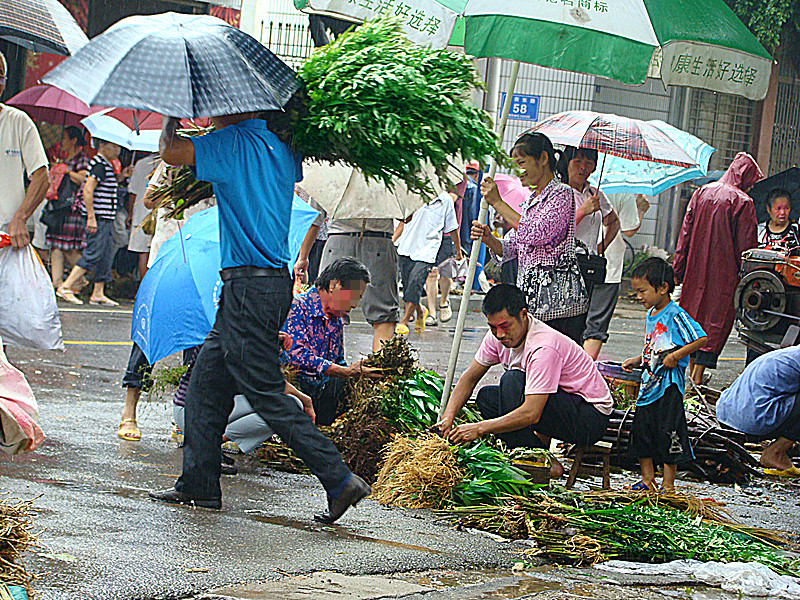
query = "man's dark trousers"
{"x": 567, "y": 417}
{"x": 240, "y": 355}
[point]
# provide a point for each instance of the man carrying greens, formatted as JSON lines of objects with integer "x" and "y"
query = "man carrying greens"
{"x": 253, "y": 172}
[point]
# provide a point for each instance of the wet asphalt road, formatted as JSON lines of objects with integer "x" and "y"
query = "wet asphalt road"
{"x": 104, "y": 540}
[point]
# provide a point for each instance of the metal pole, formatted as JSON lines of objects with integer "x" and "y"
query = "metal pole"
{"x": 473, "y": 256}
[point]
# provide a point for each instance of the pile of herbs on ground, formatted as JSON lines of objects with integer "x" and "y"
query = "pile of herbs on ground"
{"x": 586, "y": 528}
{"x": 16, "y": 537}
{"x": 389, "y": 107}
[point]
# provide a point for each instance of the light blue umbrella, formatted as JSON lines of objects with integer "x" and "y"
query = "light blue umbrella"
{"x": 177, "y": 299}
{"x": 621, "y": 175}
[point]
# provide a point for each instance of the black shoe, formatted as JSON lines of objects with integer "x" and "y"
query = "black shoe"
{"x": 354, "y": 491}
{"x": 226, "y": 469}
{"x": 227, "y": 460}
{"x": 173, "y": 496}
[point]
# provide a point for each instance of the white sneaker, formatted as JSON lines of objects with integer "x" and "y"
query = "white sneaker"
{"x": 445, "y": 313}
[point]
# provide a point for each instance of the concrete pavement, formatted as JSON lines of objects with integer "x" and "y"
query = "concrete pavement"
{"x": 102, "y": 538}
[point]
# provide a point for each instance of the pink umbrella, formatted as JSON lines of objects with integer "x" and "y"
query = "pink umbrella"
{"x": 512, "y": 191}
{"x": 146, "y": 120}
{"x": 50, "y": 104}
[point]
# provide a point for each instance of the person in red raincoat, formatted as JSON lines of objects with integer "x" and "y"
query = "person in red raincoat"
{"x": 719, "y": 225}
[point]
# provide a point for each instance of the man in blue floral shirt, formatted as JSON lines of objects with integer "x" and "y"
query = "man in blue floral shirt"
{"x": 316, "y": 325}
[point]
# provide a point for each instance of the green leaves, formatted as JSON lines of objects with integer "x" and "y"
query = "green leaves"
{"x": 491, "y": 476}
{"x": 382, "y": 104}
{"x": 414, "y": 402}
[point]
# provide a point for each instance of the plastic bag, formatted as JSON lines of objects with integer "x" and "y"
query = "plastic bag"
{"x": 28, "y": 309}
{"x": 750, "y": 579}
{"x": 19, "y": 414}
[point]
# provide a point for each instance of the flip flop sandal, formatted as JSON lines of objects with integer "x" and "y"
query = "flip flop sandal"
{"x": 790, "y": 473}
{"x": 68, "y": 296}
{"x": 419, "y": 324}
{"x": 431, "y": 321}
{"x": 129, "y": 434}
{"x": 103, "y": 302}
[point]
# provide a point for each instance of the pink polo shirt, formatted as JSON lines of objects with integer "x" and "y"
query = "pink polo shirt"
{"x": 550, "y": 361}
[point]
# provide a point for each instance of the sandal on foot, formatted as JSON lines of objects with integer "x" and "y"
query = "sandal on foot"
{"x": 401, "y": 329}
{"x": 68, "y": 295}
{"x": 431, "y": 321}
{"x": 790, "y": 473}
{"x": 641, "y": 486}
{"x": 419, "y": 324}
{"x": 445, "y": 313}
{"x": 129, "y": 433}
{"x": 103, "y": 301}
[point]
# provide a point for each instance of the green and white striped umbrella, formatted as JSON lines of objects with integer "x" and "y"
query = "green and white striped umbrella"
{"x": 698, "y": 43}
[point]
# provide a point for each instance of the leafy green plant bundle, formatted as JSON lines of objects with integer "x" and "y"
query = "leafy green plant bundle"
{"x": 390, "y": 108}
{"x": 490, "y": 476}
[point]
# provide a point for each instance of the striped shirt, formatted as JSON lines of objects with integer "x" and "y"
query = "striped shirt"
{"x": 104, "y": 198}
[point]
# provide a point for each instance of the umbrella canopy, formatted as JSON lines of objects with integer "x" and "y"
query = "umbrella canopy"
{"x": 699, "y": 43}
{"x": 104, "y": 127}
{"x": 178, "y": 65}
{"x": 41, "y": 26}
{"x": 611, "y": 134}
{"x": 621, "y": 175}
{"x": 176, "y": 303}
{"x": 135, "y": 119}
{"x": 789, "y": 181}
{"x": 511, "y": 190}
{"x": 344, "y": 194}
{"x": 50, "y": 104}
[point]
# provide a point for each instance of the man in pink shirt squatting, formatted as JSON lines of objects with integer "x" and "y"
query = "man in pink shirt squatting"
{"x": 550, "y": 388}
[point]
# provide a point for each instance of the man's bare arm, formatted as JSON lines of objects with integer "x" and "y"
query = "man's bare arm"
{"x": 175, "y": 150}
{"x": 18, "y": 227}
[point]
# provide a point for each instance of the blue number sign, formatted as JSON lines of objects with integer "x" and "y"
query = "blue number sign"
{"x": 523, "y": 108}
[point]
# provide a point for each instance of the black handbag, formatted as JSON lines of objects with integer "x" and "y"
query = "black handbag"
{"x": 592, "y": 266}
{"x": 55, "y": 211}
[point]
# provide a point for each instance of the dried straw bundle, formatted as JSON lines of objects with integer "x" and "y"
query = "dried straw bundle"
{"x": 418, "y": 473}
{"x": 16, "y": 536}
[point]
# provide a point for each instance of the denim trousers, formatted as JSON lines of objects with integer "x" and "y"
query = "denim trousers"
{"x": 241, "y": 356}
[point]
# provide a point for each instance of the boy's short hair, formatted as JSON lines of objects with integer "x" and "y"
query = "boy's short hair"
{"x": 656, "y": 271}
{"x": 504, "y": 296}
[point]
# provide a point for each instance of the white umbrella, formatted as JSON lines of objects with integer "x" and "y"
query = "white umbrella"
{"x": 107, "y": 128}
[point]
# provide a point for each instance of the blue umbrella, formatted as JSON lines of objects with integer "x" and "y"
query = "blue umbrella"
{"x": 177, "y": 300}
{"x": 621, "y": 175}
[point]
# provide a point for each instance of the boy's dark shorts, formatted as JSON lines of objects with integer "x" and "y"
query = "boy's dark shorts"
{"x": 659, "y": 430}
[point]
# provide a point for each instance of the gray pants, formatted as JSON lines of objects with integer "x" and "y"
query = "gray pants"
{"x": 381, "y": 301}
{"x": 245, "y": 427}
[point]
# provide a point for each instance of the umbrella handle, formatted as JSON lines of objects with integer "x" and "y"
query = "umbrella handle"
{"x": 473, "y": 255}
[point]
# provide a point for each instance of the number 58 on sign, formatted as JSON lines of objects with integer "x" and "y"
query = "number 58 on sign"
{"x": 523, "y": 107}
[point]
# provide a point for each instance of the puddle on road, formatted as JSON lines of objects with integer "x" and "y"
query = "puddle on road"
{"x": 554, "y": 582}
{"x": 334, "y": 531}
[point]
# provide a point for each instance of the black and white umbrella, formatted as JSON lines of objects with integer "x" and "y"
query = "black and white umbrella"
{"x": 178, "y": 65}
{"x": 41, "y": 26}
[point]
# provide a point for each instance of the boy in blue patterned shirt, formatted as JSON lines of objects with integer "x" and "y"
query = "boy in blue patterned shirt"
{"x": 659, "y": 433}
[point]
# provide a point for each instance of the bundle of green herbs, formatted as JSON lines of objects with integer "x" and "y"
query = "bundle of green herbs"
{"x": 581, "y": 529}
{"x": 390, "y": 108}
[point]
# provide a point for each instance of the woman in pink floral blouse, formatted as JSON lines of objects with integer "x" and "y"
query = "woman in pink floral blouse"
{"x": 543, "y": 238}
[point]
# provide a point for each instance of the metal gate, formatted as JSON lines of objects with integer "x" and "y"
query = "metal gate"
{"x": 785, "y": 151}
{"x": 724, "y": 121}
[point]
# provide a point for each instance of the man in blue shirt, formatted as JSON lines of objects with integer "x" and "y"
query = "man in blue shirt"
{"x": 763, "y": 403}
{"x": 253, "y": 173}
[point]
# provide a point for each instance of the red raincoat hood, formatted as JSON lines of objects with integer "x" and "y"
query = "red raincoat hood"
{"x": 743, "y": 172}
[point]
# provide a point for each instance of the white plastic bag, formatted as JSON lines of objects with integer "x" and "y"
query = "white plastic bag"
{"x": 28, "y": 309}
{"x": 19, "y": 414}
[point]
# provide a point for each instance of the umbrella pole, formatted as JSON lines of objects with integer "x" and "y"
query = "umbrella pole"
{"x": 473, "y": 256}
